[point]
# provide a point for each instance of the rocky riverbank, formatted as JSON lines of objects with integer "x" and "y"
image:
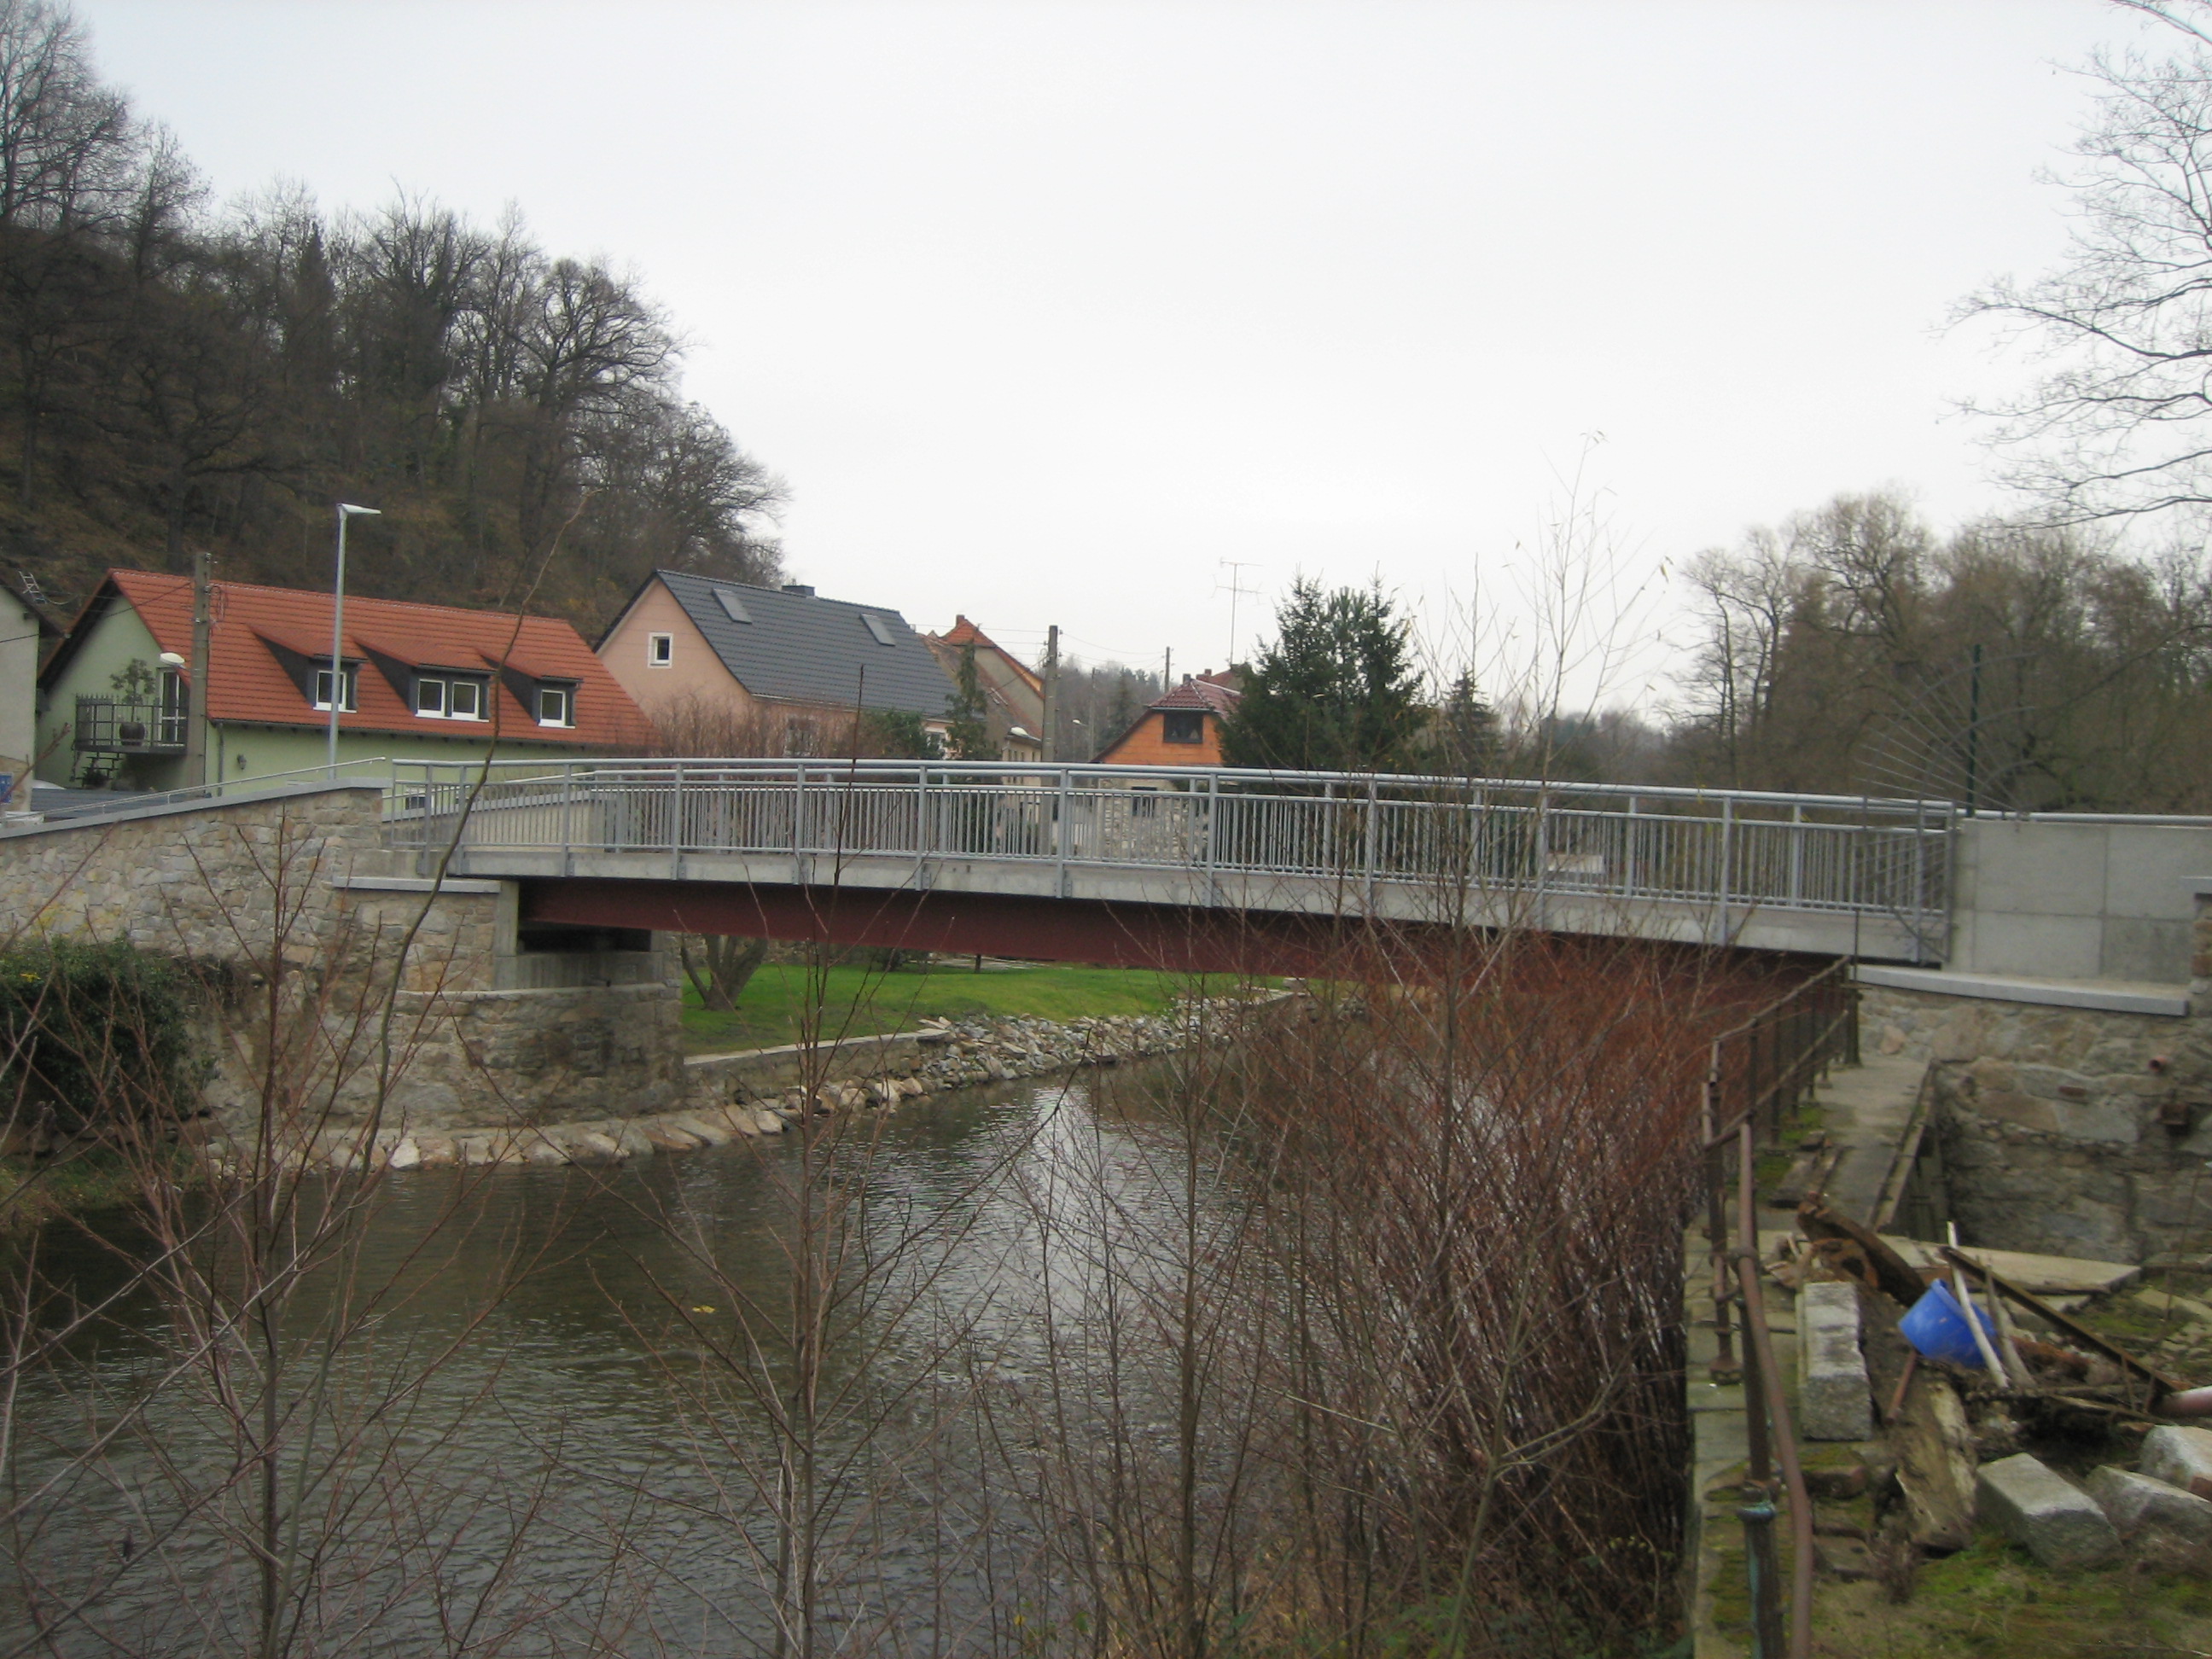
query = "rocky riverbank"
{"x": 958, "y": 1056}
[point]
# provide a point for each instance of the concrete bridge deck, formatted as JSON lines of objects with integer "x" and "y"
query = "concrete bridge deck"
{"x": 1803, "y": 873}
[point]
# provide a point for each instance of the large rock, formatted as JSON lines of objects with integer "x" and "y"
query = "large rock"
{"x": 2046, "y": 1515}
{"x": 1833, "y": 1399}
{"x": 2180, "y": 1457}
{"x": 2137, "y": 1505}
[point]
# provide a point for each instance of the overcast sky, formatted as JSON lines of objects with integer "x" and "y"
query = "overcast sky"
{"x": 1049, "y": 310}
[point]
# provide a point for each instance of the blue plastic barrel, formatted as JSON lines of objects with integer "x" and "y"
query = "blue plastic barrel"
{"x": 1937, "y": 1327}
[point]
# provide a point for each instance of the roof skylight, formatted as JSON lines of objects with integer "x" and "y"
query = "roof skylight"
{"x": 732, "y": 606}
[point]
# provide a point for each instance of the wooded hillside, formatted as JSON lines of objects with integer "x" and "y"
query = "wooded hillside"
{"x": 174, "y": 376}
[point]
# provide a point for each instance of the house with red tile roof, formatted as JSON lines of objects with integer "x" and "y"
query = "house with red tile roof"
{"x": 1182, "y": 728}
{"x": 1013, "y": 692}
{"x": 415, "y": 682}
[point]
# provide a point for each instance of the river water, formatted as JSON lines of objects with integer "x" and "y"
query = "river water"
{"x": 550, "y": 1425}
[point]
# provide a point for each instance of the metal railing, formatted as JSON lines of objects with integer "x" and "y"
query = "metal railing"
{"x": 1757, "y": 1073}
{"x": 1733, "y": 852}
{"x": 124, "y": 726}
{"x": 375, "y": 773}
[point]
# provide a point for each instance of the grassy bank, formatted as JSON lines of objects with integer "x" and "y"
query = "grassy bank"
{"x": 34, "y": 1191}
{"x": 862, "y": 1001}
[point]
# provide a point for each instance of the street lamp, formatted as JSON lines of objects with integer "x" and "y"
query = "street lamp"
{"x": 338, "y": 628}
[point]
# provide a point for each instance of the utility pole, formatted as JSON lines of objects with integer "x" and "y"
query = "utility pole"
{"x": 1052, "y": 692}
{"x": 196, "y": 694}
{"x": 1167, "y": 671}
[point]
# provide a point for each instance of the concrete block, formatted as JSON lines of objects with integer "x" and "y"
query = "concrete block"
{"x": 2040, "y": 869}
{"x": 1833, "y": 1401}
{"x": 2045, "y": 1514}
{"x": 2135, "y": 1505}
{"x": 2144, "y": 948}
{"x": 2036, "y": 946}
{"x": 2180, "y": 1457}
{"x": 2147, "y": 874}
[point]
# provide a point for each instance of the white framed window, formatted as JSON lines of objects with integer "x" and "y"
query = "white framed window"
{"x": 659, "y": 650}
{"x": 322, "y": 697}
{"x": 441, "y": 697}
{"x": 557, "y": 704}
{"x": 175, "y": 708}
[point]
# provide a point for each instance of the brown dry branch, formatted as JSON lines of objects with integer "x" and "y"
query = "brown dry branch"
{"x": 244, "y": 1439}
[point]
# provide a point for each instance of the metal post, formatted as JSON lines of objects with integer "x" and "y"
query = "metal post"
{"x": 1728, "y": 853}
{"x": 568, "y": 818}
{"x": 675, "y": 826}
{"x": 798, "y": 816}
{"x": 337, "y": 629}
{"x": 1796, "y": 854}
{"x": 1212, "y": 820}
{"x": 1634, "y": 803}
{"x": 1373, "y": 812}
{"x": 1725, "y": 1364}
{"x": 1060, "y": 826}
{"x": 920, "y": 825}
{"x": 195, "y": 724}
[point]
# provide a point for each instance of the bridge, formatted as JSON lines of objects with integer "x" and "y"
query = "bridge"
{"x": 1195, "y": 867}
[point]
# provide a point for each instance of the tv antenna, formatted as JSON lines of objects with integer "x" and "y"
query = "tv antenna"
{"x": 1236, "y": 569}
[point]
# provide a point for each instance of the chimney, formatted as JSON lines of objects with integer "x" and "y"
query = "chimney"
{"x": 800, "y": 588}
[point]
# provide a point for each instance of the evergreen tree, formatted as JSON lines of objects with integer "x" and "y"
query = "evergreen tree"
{"x": 1462, "y": 739}
{"x": 1335, "y": 690}
{"x": 966, "y": 735}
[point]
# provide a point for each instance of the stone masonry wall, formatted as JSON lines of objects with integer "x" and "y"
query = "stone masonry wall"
{"x": 2072, "y": 1132}
{"x": 211, "y": 885}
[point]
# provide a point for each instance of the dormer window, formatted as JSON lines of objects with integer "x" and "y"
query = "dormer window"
{"x": 557, "y": 704}
{"x": 449, "y": 698}
{"x": 320, "y": 697}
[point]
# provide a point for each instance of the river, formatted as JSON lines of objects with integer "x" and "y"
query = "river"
{"x": 533, "y": 1410}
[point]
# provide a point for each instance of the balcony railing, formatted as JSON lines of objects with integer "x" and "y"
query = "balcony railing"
{"x": 118, "y": 725}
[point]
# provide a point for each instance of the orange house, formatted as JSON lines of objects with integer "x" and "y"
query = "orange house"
{"x": 1182, "y": 728}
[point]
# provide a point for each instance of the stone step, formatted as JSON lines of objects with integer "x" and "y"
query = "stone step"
{"x": 2044, "y": 1513}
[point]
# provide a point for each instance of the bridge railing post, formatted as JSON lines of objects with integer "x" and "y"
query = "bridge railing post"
{"x": 1374, "y": 814}
{"x": 1628, "y": 857}
{"x": 1060, "y": 829}
{"x": 676, "y": 823}
{"x": 798, "y": 819}
{"x": 1728, "y": 856}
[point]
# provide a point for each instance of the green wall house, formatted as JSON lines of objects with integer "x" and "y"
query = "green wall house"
{"x": 415, "y": 682}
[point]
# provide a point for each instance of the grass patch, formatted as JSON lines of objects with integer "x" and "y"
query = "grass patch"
{"x": 863, "y": 1001}
{"x": 34, "y": 1191}
{"x": 1990, "y": 1598}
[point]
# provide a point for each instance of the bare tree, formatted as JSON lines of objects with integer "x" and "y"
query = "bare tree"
{"x": 2113, "y": 427}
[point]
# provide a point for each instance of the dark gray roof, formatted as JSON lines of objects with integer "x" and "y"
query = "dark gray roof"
{"x": 809, "y": 649}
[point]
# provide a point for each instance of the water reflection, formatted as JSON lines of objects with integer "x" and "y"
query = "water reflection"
{"x": 592, "y": 1462}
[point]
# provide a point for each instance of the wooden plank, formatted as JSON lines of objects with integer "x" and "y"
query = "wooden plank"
{"x": 2160, "y": 1384}
{"x": 2043, "y": 1275}
{"x": 1934, "y": 1449}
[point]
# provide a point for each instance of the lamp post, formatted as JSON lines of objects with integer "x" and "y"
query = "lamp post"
{"x": 338, "y": 628}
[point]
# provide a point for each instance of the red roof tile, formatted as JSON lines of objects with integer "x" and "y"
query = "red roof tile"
{"x": 1199, "y": 692}
{"x": 248, "y": 684}
{"x": 964, "y": 633}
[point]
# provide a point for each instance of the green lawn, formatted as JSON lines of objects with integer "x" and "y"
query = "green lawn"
{"x": 861, "y": 1001}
